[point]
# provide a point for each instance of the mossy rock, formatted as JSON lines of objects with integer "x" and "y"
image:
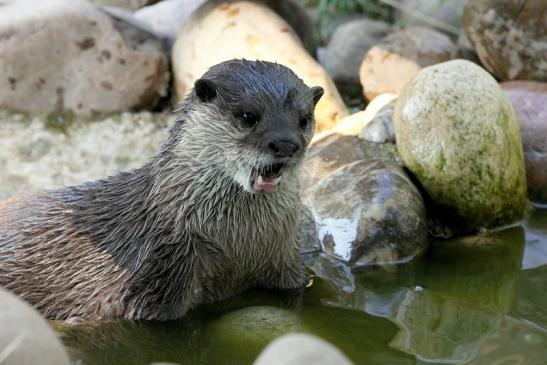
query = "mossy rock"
{"x": 457, "y": 132}
{"x": 255, "y": 326}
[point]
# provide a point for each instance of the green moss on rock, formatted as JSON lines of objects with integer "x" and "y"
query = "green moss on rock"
{"x": 457, "y": 132}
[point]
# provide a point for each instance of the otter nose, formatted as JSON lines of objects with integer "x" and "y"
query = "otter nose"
{"x": 283, "y": 148}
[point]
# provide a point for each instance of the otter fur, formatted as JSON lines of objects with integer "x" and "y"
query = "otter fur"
{"x": 211, "y": 215}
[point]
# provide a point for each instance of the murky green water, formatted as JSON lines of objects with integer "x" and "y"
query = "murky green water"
{"x": 478, "y": 300}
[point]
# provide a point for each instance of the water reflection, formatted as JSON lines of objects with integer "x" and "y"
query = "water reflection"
{"x": 445, "y": 306}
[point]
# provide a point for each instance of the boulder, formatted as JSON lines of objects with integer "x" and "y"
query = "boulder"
{"x": 253, "y": 326}
{"x": 369, "y": 213}
{"x": 243, "y": 29}
{"x": 529, "y": 99}
{"x": 348, "y": 46}
{"x": 26, "y": 338}
{"x": 38, "y": 153}
{"x": 441, "y": 14}
{"x": 378, "y": 120}
{"x": 299, "y": 348}
{"x": 390, "y": 64}
{"x": 510, "y": 37}
{"x": 126, "y": 4}
{"x": 457, "y": 132}
{"x": 67, "y": 56}
{"x": 335, "y": 150}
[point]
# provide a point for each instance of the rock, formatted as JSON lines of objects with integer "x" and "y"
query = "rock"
{"x": 378, "y": 119}
{"x": 348, "y": 46}
{"x": 390, "y": 64}
{"x": 38, "y": 153}
{"x": 26, "y": 338}
{"x": 529, "y": 100}
{"x": 67, "y": 56}
{"x": 441, "y": 14}
{"x": 456, "y": 131}
{"x": 126, "y": 4}
{"x": 369, "y": 213}
{"x": 244, "y": 29}
{"x": 510, "y": 37}
{"x": 299, "y": 348}
{"x": 253, "y": 326}
{"x": 167, "y": 17}
{"x": 335, "y": 150}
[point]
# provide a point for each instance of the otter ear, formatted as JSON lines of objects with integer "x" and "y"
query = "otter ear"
{"x": 317, "y": 92}
{"x": 206, "y": 90}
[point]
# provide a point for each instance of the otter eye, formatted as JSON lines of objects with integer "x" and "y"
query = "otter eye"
{"x": 249, "y": 119}
{"x": 304, "y": 121}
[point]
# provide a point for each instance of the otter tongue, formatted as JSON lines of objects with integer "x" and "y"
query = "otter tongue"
{"x": 266, "y": 183}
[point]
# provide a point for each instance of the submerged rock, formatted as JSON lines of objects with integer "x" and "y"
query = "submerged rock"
{"x": 456, "y": 131}
{"x": 299, "y": 349}
{"x": 67, "y": 56}
{"x": 26, "y": 338}
{"x": 368, "y": 212}
{"x": 243, "y": 29}
{"x": 510, "y": 37}
{"x": 254, "y": 326}
{"x": 529, "y": 99}
{"x": 390, "y": 64}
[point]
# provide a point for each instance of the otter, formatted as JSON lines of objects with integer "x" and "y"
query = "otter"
{"x": 210, "y": 216}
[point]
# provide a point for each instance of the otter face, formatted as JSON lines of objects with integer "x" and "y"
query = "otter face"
{"x": 260, "y": 117}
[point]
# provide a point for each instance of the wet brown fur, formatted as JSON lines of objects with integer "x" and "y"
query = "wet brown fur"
{"x": 156, "y": 241}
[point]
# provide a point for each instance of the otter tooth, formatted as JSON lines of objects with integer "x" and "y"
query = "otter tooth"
{"x": 259, "y": 180}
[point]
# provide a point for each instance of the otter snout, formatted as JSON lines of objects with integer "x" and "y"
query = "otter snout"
{"x": 283, "y": 148}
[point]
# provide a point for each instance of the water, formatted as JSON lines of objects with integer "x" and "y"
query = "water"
{"x": 477, "y": 300}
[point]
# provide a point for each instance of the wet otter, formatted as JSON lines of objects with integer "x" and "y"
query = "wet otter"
{"x": 211, "y": 215}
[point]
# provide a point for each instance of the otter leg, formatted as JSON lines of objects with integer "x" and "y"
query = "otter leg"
{"x": 288, "y": 274}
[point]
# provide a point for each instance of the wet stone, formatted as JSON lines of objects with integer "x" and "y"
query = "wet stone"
{"x": 369, "y": 213}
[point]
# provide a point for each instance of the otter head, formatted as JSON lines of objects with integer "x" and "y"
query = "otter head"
{"x": 253, "y": 121}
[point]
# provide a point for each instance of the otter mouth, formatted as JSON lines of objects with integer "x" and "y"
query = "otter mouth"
{"x": 266, "y": 179}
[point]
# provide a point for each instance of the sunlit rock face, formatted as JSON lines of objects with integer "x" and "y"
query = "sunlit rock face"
{"x": 68, "y": 56}
{"x": 368, "y": 212}
{"x": 529, "y": 99}
{"x": 457, "y": 132}
{"x": 509, "y": 36}
{"x": 248, "y": 30}
{"x": 390, "y": 64}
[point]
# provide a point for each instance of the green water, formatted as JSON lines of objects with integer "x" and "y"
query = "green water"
{"x": 476, "y": 300}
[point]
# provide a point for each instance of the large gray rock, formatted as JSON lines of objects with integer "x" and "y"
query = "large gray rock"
{"x": 529, "y": 99}
{"x": 456, "y": 131}
{"x": 368, "y": 212}
{"x": 390, "y": 64}
{"x": 62, "y": 56}
{"x": 441, "y": 14}
{"x": 26, "y": 338}
{"x": 38, "y": 153}
{"x": 299, "y": 349}
{"x": 510, "y": 37}
{"x": 126, "y": 4}
{"x": 348, "y": 46}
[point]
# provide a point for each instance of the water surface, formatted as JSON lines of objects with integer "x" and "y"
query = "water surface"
{"x": 476, "y": 300}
